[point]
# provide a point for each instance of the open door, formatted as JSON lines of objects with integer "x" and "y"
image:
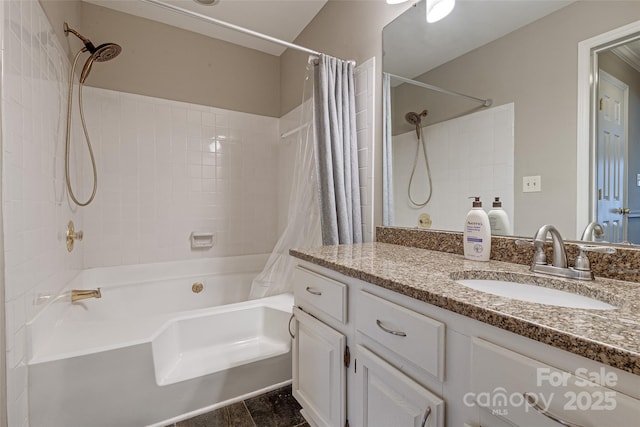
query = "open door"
{"x": 611, "y": 155}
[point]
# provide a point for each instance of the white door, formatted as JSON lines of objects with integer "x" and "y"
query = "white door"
{"x": 388, "y": 397}
{"x": 611, "y": 154}
{"x": 319, "y": 382}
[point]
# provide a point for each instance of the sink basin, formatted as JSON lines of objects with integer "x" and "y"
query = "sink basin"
{"x": 531, "y": 292}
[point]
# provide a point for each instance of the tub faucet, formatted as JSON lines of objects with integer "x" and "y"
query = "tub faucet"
{"x": 80, "y": 294}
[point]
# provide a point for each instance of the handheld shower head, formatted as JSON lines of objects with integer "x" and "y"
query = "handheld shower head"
{"x": 104, "y": 52}
{"x": 416, "y": 119}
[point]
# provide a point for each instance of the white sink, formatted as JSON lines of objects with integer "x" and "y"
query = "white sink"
{"x": 533, "y": 293}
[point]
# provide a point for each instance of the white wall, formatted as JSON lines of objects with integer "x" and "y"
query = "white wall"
{"x": 468, "y": 156}
{"x": 168, "y": 168}
{"x": 34, "y": 205}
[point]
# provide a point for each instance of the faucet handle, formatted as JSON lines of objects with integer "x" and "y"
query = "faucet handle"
{"x": 601, "y": 249}
{"x": 582, "y": 261}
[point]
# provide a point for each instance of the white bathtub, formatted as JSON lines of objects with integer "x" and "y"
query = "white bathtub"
{"x": 151, "y": 351}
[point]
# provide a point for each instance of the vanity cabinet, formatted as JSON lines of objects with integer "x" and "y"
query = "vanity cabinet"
{"x": 319, "y": 348}
{"x": 414, "y": 364}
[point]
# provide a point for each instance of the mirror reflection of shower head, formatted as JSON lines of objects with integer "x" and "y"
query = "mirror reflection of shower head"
{"x": 102, "y": 53}
{"x": 415, "y": 119}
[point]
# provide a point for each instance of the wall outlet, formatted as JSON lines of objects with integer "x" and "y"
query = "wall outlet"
{"x": 531, "y": 184}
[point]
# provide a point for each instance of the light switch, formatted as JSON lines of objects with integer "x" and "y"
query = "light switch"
{"x": 532, "y": 183}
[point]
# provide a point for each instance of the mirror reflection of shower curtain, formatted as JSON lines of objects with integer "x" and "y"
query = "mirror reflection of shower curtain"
{"x": 336, "y": 143}
{"x": 303, "y": 215}
{"x": 387, "y": 156}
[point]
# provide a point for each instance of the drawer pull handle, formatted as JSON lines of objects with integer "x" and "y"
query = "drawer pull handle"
{"x": 313, "y": 292}
{"x": 531, "y": 400}
{"x": 390, "y": 331}
{"x": 425, "y": 417}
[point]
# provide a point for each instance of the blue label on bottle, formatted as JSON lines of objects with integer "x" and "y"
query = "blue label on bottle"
{"x": 474, "y": 239}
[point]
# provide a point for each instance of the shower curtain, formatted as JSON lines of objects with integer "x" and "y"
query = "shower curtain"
{"x": 332, "y": 138}
{"x": 336, "y": 150}
{"x": 303, "y": 215}
{"x": 387, "y": 152}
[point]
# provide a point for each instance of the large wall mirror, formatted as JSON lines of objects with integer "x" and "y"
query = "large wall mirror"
{"x": 516, "y": 133}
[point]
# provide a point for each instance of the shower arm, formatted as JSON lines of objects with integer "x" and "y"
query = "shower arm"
{"x": 87, "y": 43}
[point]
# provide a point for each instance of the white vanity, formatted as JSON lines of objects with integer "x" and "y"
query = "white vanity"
{"x": 376, "y": 354}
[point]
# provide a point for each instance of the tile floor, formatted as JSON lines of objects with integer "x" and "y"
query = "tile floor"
{"x": 276, "y": 408}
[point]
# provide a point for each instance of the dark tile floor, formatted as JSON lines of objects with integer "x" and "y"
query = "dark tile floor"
{"x": 276, "y": 408}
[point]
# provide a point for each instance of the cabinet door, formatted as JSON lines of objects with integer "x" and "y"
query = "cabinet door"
{"x": 390, "y": 398}
{"x": 318, "y": 371}
{"x": 529, "y": 393}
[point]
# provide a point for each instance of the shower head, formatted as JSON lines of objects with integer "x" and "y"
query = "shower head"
{"x": 415, "y": 119}
{"x": 104, "y": 52}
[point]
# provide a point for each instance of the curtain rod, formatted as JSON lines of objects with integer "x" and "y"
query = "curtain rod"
{"x": 231, "y": 26}
{"x": 484, "y": 102}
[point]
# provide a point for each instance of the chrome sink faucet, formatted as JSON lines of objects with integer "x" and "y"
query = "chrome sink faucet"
{"x": 559, "y": 250}
{"x": 559, "y": 265}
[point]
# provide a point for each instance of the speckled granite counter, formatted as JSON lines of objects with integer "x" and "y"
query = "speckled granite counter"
{"x": 611, "y": 337}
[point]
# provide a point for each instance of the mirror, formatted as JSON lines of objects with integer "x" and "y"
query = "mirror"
{"x": 528, "y": 69}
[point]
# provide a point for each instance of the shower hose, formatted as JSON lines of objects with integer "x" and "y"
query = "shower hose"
{"x": 420, "y": 142}
{"x": 86, "y": 134}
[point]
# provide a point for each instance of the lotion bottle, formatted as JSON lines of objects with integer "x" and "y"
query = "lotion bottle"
{"x": 500, "y": 225}
{"x": 477, "y": 233}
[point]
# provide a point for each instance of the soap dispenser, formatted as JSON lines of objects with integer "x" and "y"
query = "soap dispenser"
{"x": 477, "y": 233}
{"x": 499, "y": 220}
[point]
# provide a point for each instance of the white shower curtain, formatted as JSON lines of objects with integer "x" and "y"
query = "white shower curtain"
{"x": 330, "y": 144}
{"x": 303, "y": 216}
{"x": 334, "y": 116}
{"x": 387, "y": 152}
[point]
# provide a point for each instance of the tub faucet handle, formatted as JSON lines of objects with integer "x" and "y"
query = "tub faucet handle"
{"x": 73, "y": 235}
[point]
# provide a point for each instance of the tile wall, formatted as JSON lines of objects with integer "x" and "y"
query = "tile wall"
{"x": 169, "y": 168}
{"x": 35, "y": 209}
{"x": 468, "y": 156}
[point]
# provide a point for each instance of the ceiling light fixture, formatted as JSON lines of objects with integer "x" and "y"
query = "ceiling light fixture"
{"x": 438, "y": 9}
{"x": 395, "y": 1}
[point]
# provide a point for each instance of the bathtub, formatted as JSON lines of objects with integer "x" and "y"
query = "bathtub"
{"x": 152, "y": 351}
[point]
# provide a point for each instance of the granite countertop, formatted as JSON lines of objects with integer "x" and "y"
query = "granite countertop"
{"x": 611, "y": 337}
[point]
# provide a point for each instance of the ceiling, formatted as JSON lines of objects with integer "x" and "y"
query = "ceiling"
{"x": 283, "y": 19}
{"x": 476, "y": 22}
{"x": 473, "y": 23}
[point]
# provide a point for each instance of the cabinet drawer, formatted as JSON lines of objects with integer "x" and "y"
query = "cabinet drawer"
{"x": 500, "y": 378}
{"x": 413, "y": 336}
{"x": 320, "y": 295}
